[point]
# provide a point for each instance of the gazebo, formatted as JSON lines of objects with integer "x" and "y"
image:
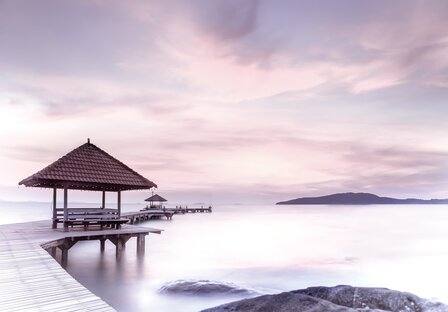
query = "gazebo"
{"x": 155, "y": 199}
{"x": 87, "y": 168}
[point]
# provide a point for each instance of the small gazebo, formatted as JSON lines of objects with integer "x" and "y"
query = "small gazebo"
{"x": 87, "y": 168}
{"x": 155, "y": 201}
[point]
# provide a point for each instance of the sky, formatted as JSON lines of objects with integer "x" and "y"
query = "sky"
{"x": 231, "y": 101}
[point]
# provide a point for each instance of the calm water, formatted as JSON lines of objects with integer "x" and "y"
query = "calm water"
{"x": 269, "y": 249}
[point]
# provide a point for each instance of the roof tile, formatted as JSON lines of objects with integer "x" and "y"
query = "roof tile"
{"x": 88, "y": 167}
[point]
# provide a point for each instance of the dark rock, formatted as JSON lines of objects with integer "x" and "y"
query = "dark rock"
{"x": 335, "y": 299}
{"x": 288, "y": 302}
{"x": 204, "y": 287}
{"x": 372, "y": 298}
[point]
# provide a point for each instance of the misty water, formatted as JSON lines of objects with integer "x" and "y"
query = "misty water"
{"x": 268, "y": 249}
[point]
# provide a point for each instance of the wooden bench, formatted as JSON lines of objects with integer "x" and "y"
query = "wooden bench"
{"x": 90, "y": 216}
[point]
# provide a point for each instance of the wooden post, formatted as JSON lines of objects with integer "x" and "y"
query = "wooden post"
{"x": 68, "y": 243}
{"x": 102, "y": 244}
{"x": 119, "y": 204}
{"x": 55, "y": 215}
{"x": 53, "y": 252}
{"x": 65, "y": 208}
{"x": 120, "y": 243}
{"x": 119, "y": 247}
{"x": 104, "y": 200}
{"x": 64, "y": 257}
{"x": 141, "y": 245}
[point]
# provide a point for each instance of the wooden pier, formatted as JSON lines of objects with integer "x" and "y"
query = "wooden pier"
{"x": 155, "y": 214}
{"x": 195, "y": 210}
{"x": 31, "y": 280}
{"x": 145, "y": 215}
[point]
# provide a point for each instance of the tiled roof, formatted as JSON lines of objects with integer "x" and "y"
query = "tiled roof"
{"x": 88, "y": 168}
{"x": 156, "y": 198}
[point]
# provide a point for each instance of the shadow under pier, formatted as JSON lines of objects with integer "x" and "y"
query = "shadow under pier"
{"x": 59, "y": 248}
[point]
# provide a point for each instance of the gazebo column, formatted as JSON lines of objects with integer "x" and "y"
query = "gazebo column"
{"x": 103, "y": 205}
{"x": 65, "y": 208}
{"x": 119, "y": 203}
{"x": 55, "y": 215}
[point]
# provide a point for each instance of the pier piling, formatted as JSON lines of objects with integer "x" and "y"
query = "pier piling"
{"x": 102, "y": 244}
{"x": 140, "y": 245}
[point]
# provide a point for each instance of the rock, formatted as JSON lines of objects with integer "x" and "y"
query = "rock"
{"x": 373, "y": 298}
{"x": 205, "y": 287}
{"x": 335, "y": 299}
{"x": 286, "y": 301}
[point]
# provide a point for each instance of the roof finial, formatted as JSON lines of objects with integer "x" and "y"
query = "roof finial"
{"x": 88, "y": 140}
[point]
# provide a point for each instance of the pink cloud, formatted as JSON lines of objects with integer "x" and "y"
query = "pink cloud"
{"x": 216, "y": 96}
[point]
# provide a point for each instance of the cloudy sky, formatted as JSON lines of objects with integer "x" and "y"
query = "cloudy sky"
{"x": 230, "y": 101}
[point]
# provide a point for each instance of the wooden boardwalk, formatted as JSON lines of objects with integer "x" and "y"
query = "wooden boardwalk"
{"x": 150, "y": 214}
{"x": 31, "y": 280}
{"x": 186, "y": 209}
{"x": 144, "y": 215}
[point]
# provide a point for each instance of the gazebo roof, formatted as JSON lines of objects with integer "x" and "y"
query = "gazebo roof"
{"x": 156, "y": 198}
{"x": 88, "y": 168}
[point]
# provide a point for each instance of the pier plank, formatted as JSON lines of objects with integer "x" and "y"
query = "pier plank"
{"x": 31, "y": 280}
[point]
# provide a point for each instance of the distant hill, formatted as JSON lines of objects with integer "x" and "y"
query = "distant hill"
{"x": 359, "y": 199}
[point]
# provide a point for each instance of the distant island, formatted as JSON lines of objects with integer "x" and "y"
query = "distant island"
{"x": 359, "y": 199}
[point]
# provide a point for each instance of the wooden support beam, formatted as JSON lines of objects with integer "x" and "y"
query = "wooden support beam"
{"x": 140, "y": 245}
{"x": 65, "y": 208}
{"x": 102, "y": 244}
{"x": 103, "y": 205}
{"x": 115, "y": 238}
{"x": 68, "y": 243}
{"x": 64, "y": 258}
{"x": 119, "y": 203}
{"x": 55, "y": 223}
{"x": 120, "y": 244}
{"x": 53, "y": 252}
{"x": 119, "y": 247}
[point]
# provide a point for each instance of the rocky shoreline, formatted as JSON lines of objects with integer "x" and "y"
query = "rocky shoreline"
{"x": 340, "y": 298}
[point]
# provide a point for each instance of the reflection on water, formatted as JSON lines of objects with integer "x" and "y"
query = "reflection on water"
{"x": 271, "y": 249}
